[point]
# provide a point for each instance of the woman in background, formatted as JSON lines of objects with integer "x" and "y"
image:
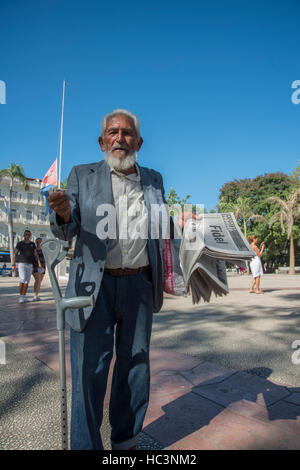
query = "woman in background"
{"x": 255, "y": 264}
{"x": 38, "y": 273}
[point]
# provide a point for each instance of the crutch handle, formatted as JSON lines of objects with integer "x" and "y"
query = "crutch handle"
{"x": 78, "y": 302}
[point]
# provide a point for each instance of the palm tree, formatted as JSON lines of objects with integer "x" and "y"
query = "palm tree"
{"x": 15, "y": 173}
{"x": 289, "y": 213}
{"x": 242, "y": 209}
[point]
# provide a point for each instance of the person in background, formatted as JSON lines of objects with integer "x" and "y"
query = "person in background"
{"x": 38, "y": 273}
{"x": 28, "y": 253}
{"x": 256, "y": 265}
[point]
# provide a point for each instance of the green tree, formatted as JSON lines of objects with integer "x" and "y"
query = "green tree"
{"x": 243, "y": 212}
{"x": 174, "y": 199}
{"x": 288, "y": 214}
{"x": 63, "y": 185}
{"x": 295, "y": 175}
{"x": 15, "y": 173}
{"x": 258, "y": 190}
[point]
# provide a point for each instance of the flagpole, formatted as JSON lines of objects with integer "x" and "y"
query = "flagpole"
{"x": 60, "y": 150}
{"x": 61, "y": 134}
{"x": 61, "y": 333}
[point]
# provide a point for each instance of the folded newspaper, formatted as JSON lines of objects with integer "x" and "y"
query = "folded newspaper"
{"x": 206, "y": 246}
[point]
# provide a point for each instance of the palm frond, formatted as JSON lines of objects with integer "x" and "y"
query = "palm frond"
{"x": 15, "y": 172}
{"x": 290, "y": 227}
{"x": 258, "y": 217}
{"x": 297, "y": 213}
{"x": 275, "y": 217}
{"x": 294, "y": 198}
{"x": 282, "y": 219}
{"x": 4, "y": 173}
{"x": 237, "y": 213}
{"x": 280, "y": 202}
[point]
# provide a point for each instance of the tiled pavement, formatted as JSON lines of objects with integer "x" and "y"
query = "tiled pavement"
{"x": 193, "y": 404}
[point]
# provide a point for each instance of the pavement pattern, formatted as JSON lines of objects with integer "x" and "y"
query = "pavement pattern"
{"x": 221, "y": 373}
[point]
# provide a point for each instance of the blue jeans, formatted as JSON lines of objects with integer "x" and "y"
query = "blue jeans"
{"x": 123, "y": 310}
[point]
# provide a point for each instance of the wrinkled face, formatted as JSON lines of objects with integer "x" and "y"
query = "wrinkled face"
{"x": 120, "y": 138}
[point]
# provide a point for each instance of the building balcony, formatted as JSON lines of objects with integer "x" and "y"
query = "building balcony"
{"x": 24, "y": 221}
{"x": 28, "y": 202}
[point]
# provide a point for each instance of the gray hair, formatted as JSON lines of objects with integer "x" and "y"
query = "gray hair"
{"x": 124, "y": 112}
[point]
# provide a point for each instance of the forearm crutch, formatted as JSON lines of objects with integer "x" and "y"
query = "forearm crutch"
{"x": 54, "y": 252}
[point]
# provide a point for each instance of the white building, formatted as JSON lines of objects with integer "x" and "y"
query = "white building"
{"x": 27, "y": 211}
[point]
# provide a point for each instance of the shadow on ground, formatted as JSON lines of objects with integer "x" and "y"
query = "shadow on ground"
{"x": 218, "y": 404}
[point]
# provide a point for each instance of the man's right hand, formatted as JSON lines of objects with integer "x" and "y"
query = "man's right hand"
{"x": 60, "y": 203}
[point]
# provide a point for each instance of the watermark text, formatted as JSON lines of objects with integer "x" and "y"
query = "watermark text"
{"x": 2, "y": 353}
{"x": 296, "y": 94}
{"x": 159, "y": 221}
{"x": 2, "y": 92}
{"x": 296, "y": 354}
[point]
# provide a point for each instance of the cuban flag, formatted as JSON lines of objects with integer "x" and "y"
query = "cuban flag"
{"x": 49, "y": 180}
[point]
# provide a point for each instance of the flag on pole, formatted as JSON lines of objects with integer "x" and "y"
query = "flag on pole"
{"x": 45, "y": 191}
{"x": 51, "y": 175}
{"x": 49, "y": 180}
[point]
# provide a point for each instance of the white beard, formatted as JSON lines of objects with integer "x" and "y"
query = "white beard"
{"x": 121, "y": 163}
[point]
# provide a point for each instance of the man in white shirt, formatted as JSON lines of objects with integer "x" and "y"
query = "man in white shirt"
{"x": 27, "y": 255}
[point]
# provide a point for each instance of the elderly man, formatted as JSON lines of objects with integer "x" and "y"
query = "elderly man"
{"x": 125, "y": 274}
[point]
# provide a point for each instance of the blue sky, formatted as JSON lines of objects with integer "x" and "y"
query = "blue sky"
{"x": 210, "y": 81}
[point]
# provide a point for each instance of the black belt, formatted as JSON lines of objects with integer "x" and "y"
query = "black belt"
{"x": 125, "y": 271}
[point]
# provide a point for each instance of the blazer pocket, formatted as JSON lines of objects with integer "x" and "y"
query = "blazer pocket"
{"x": 146, "y": 279}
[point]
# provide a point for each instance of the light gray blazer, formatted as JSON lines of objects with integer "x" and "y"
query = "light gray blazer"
{"x": 88, "y": 187}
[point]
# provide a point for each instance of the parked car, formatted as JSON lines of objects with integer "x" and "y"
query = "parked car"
{"x": 5, "y": 264}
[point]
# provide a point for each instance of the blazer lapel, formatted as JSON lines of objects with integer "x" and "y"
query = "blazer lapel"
{"x": 152, "y": 195}
{"x": 151, "y": 186}
{"x": 99, "y": 184}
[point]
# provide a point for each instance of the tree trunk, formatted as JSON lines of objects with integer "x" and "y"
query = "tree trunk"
{"x": 245, "y": 228}
{"x": 245, "y": 234}
{"x": 10, "y": 228}
{"x": 292, "y": 256}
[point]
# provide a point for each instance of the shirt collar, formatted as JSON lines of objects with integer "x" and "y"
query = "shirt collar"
{"x": 132, "y": 176}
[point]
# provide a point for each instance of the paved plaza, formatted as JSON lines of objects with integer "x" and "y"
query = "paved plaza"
{"x": 224, "y": 375}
